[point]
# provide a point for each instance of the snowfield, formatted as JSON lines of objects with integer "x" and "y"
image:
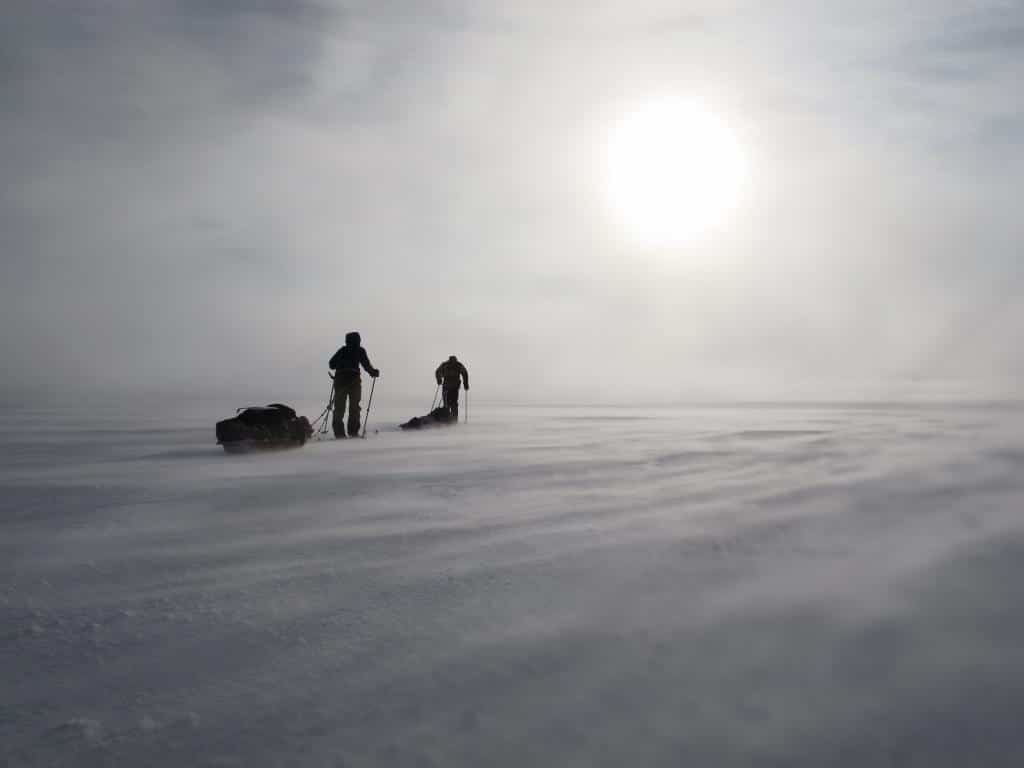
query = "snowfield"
{"x": 719, "y": 586}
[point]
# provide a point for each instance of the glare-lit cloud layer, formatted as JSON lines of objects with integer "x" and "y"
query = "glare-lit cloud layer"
{"x": 203, "y": 197}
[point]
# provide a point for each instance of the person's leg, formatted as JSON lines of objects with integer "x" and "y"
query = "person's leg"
{"x": 338, "y": 419}
{"x": 451, "y": 401}
{"x": 355, "y": 393}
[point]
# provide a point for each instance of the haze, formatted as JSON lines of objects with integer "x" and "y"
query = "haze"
{"x": 202, "y": 197}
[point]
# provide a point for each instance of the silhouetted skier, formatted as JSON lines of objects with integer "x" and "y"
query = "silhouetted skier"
{"x": 348, "y": 384}
{"x": 449, "y": 375}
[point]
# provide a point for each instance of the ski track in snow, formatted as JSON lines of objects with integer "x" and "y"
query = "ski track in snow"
{"x": 774, "y": 586}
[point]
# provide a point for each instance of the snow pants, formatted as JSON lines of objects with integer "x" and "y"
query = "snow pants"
{"x": 451, "y": 401}
{"x": 347, "y": 388}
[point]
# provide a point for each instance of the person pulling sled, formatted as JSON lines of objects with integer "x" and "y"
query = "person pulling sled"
{"x": 348, "y": 384}
{"x": 450, "y": 374}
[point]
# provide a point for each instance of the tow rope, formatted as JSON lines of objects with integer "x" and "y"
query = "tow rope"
{"x": 320, "y": 422}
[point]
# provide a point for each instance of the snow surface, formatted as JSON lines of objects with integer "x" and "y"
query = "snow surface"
{"x": 769, "y": 586}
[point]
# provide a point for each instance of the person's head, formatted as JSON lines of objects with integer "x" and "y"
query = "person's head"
{"x": 452, "y": 359}
{"x": 353, "y": 339}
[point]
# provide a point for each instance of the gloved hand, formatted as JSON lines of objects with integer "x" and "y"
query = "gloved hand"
{"x": 467, "y": 387}
{"x": 439, "y": 382}
{"x": 375, "y": 373}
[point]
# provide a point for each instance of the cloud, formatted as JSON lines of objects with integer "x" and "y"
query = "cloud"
{"x": 206, "y": 196}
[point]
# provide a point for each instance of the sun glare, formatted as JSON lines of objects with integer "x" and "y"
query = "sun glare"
{"x": 674, "y": 172}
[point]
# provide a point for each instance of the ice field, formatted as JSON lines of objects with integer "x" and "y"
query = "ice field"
{"x": 704, "y": 586}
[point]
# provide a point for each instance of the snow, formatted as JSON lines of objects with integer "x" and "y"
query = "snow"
{"x": 716, "y": 586}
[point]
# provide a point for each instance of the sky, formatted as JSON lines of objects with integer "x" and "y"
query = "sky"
{"x": 202, "y": 197}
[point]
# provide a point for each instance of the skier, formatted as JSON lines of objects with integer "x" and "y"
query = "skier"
{"x": 450, "y": 374}
{"x": 348, "y": 384}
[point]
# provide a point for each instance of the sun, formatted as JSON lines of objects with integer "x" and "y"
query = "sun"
{"x": 674, "y": 171}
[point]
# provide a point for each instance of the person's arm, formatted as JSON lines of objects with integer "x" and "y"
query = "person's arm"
{"x": 364, "y": 359}
{"x": 333, "y": 362}
{"x": 465, "y": 376}
{"x": 437, "y": 374}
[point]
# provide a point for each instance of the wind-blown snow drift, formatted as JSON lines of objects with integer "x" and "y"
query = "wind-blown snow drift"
{"x": 716, "y": 587}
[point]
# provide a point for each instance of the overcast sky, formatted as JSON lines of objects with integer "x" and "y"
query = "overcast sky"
{"x": 200, "y": 196}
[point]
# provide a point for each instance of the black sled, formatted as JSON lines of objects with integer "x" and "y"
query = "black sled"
{"x": 263, "y": 428}
{"x": 439, "y": 417}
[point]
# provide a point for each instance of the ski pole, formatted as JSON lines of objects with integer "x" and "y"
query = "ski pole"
{"x": 433, "y": 403}
{"x": 330, "y": 407}
{"x": 369, "y": 405}
{"x": 327, "y": 412}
